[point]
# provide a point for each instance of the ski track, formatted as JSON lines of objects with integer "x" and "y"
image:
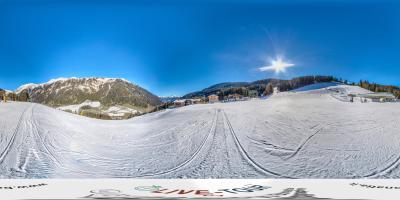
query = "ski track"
{"x": 246, "y": 155}
{"x": 12, "y": 140}
{"x": 42, "y": 143}
{"x": 304, "y": 143}
{"x": 194, "y": 155}
{"x": 270, "y": 146}
{"x": 207, "y": 160}
{"x": 384, "y": 171}
{"x": 222, "y": 158}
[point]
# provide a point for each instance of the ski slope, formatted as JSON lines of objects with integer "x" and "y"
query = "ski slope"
{"x": 309, "y": 133}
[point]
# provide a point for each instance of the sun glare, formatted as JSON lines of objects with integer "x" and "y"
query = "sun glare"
{"x": 277, "y": 65}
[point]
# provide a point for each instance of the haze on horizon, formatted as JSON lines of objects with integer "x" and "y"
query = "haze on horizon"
{"x": 176, "y": 47}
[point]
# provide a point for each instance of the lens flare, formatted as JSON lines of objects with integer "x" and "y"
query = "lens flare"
{"x": 277, "y": 65}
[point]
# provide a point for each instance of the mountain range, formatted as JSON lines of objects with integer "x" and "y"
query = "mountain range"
{"x": 104, "y": 98}
{"x": 108, "y": 91}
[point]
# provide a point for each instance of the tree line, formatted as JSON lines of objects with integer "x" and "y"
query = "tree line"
{"x": 266, "y": 86}
{"x": 374, "y": 87}
{"x": 23, "y": 96}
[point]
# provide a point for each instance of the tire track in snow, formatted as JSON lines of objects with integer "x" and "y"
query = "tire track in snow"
{"x": 246, "y": 155}
{"x": 22, "y": 166}
{"x": 212, "y": 130}
{"x": 24, "y": 152}
{"x": 37, "y": 137}
{"x": 42, "y": 146}
{"x": 304, "y": 143}
{"x": 30, "y": 143}
{"x": 163, "y": 132}
{"x": 28, "y": 146}
{"x": 385, "y": 170}
{"x": 216, "y": 161}
{"x": 269, "y": 146}
{"x": 12, "y": 139}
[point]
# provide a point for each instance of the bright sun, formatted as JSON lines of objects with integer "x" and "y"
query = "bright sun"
{"x": 277, "y": 65}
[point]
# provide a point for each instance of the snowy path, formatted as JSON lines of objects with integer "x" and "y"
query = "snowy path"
{"x": 308, "y": 134}
{"x": 193, "y": 157}
{"x": 222, "y": 157}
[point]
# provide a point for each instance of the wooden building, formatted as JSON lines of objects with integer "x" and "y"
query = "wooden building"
{"x": 213, "y": 98}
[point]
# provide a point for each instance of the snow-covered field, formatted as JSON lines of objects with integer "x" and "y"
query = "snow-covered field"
{"x": 112, "y": 111}
{"x": 75, "y": 108}
{"x": 312, "y": 133}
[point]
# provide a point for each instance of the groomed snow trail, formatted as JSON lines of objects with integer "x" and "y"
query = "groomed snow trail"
{"x": 313, "y": 133}
{"x": 193, "y": 157}
{"x": 223, "y": 157}
{"x": 26, "y": 152}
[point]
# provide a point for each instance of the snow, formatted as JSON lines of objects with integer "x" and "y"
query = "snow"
{"x": 75, "y": 108}
{"x": 316, "y": 86}
{"x": 119, "y": 111}
{"x": 180, "y": 101}
{"x": 309, "y": 134}
{"x": 26, "y": 86}
{"x": 95, "y": 86}
{"x": 98, "y": 79}
{"x": 114, "y": 112}
{"x": 61, "y": 79}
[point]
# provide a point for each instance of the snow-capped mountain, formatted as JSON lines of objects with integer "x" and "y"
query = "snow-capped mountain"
{"x": 6, "y": 91}
{"x": 166, "y": 99}
{"x": 108, "y": 91}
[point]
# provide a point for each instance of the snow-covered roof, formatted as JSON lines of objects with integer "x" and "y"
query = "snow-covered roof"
{"x": 378, "y": 95}
{"x": 180, "y": 101}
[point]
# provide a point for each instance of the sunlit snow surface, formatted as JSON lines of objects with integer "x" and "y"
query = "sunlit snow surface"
{"x": 307, "y": 134}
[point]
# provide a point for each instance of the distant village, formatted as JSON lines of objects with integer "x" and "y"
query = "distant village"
{"x": 213, "y": 98}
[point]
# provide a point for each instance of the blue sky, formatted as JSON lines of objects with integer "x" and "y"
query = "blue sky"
{"x": 176, "y": 47}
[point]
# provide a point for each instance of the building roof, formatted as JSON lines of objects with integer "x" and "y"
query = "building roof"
{"x": 213, "y": 95}
{"x": 180, "y": 101}
{"x": 378, "y": 95}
